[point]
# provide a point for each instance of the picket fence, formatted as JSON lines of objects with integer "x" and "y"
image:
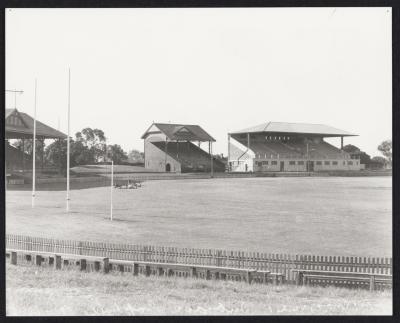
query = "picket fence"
{"x": 278, "y": 263}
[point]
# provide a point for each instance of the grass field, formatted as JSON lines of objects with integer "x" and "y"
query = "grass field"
{"x": 105, "y": 169}
{"x": 303, "y": 215}
{"x": 42, "y": 291}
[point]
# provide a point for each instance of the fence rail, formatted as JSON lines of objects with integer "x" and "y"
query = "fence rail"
{"x": 278, "y": 263}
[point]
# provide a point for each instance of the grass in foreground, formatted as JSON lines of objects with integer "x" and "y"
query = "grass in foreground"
{"x": 42, "y": 291}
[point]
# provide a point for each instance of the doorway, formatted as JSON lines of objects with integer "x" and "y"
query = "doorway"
{"x": 167, "y": 167}
{"x": 310, "y": 166}
{"x": 282, "y": 166}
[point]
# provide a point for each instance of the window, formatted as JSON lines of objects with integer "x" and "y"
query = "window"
{"x": 327, "y": 163}
{"x": 274, "y": 162}
{"x": 334, "y": 163}
{"x": 300, "y": 162}
{"x": 319, "y": 162}
{"x": 349, "y": 163}
{"x": 265, "y": 162}
{"x": 259, "y": 163}
{"x": 292, "y": 162}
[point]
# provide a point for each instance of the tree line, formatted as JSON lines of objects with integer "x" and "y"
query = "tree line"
{"x": 385, "y": 149}
{"x": 88, "y": 147}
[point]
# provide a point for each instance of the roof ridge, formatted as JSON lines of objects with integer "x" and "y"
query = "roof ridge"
{"x": 176, "y": 124}
{"x": 266, "y": 127}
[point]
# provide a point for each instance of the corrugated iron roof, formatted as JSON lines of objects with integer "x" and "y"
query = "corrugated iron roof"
{"x": 182, "y": 132}
{"x": 42, "y": 130}
{"x": 300, "y": 128}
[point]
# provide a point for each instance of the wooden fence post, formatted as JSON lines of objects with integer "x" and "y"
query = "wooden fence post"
{"x": 135, "y": 269}
{"x": 51, "y": 261}
{"x": 58, "y": 262}
{"x": 106, "y": 265}
{"x": 265, "y": 278}
{"x": 249, "y": 277}
{"x": 372, "y": 283}
{"x": 38, "y": 260}
{"x": 147, "y": 270}
{"x": 83, "y": 264}
{"x": 13, "y": 258}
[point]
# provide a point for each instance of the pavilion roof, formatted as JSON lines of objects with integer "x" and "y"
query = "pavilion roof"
{"x": 20, "y": 125}
{"x": 185, "y": 132}
{"x": 296, "y": 128}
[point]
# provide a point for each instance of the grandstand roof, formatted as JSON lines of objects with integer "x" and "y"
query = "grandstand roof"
{"x": 299, "y": 128}
{"x": 181, "y": 132}
{"x": 20, "y": 125}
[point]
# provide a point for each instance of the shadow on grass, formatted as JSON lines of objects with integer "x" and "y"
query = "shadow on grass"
{"x": 58, "y": 186}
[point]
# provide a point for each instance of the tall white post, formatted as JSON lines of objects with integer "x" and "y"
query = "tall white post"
{"x": 34, "y": 153}
{"x": 69, "y": 96}
{"x": 111, "y": 191}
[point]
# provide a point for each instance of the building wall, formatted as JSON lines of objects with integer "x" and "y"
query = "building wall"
{"x": 273, "y": 165}
{"x": 154, "y": 158}
{"x": 246, "y": 161}
{"x": 342, "y": 164}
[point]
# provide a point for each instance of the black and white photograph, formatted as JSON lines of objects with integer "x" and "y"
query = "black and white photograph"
{"x": 198, "y": 161}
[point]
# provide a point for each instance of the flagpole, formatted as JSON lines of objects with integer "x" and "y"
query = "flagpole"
{"x": 34, "y": 153}
{"x": 69, "y": 96}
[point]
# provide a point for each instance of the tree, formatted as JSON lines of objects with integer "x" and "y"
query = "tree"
{"x": 56, "y": 154}
{"x": 94, "y": 140}
{"x": 356, "y": 152}
{"x": 386, "y": 149}
{"x": 379, "y": 161}
{"x": 116, "y": 153}
{"x": 135, "y": 156}
{"x": 351, "y": 149}
{"x": 28, "y": 143}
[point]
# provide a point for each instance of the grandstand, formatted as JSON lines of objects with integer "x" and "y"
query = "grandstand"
{"x": 169, "y": 148}
{"x": 279, "y": 146}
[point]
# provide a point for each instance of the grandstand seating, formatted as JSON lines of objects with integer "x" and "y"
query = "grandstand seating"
{"x": 191, "y": 157}
{"x": 295, "y": 149}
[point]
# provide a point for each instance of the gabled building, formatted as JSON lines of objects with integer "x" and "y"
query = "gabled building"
{"x": 177, "y": 148}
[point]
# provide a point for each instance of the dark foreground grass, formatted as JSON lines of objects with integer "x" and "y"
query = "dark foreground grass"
{"x": 42, "y": 291}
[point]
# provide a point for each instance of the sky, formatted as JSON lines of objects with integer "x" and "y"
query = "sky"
{"x": 224, "y": 69}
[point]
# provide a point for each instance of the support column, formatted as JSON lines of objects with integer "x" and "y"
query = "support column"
{"x": 341, "y": 143}
{"x": 42, "y": 157}
{"x": 23, "y": 155}
{"x": 211, "y": 159}
{"x": 166, "y": 150}
{"x": 229, "y": 152}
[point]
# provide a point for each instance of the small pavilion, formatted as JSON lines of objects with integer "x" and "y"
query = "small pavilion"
{"x": 19, "y": 125}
